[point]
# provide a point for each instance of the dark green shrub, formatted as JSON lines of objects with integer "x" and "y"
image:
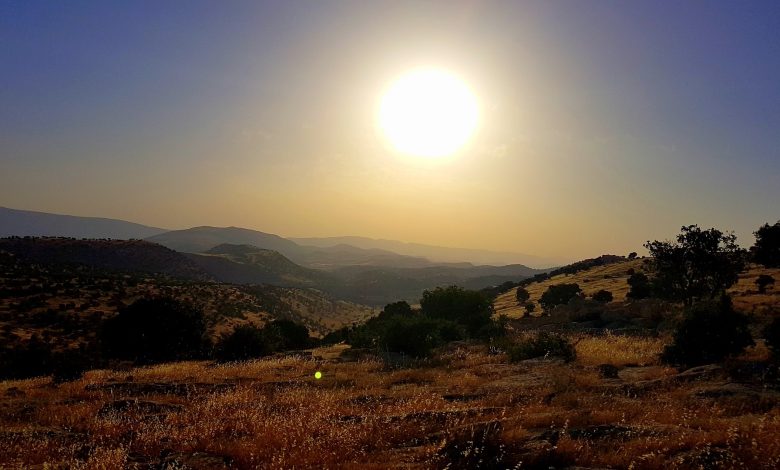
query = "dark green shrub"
{"x": 700, "y": 265}
{"x": 155, "y": 330}
{"x": 529, "y": 308}
{"x": 766, "y": 250}
{"x": 640, "y": 287}
{"x": 32, "y": 359}
{"x": 772, "y": 337}
{"x": 522, "y": 295}
{"x": 469, "y": 308}
{"x": 282, "y": 335}
{"x": 71, "y": 364}
{"x": 763, "y": 281}
{"x": 493, "y": 330}
{"x": 417, "y": 336}
{"x": 542, "y": 344}
{"x": 604, "y": 296}
{"x": 401, "y": 308}
{"x": 709, "y": 332}
{"x": 559, "y": 294}
{"x": 244, "y": 342}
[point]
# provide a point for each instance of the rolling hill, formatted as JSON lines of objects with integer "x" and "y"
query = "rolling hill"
{"x": 15, "y": 222}
{"x": 436, "y": 254}
{"x": 202, "y": 239}
{"x": 247, "y": 264}
{"x": 135, "y": 256}
{"x": 614, "y": 278}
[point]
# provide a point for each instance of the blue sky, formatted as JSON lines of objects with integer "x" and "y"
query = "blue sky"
{"x": 603, "y": 124}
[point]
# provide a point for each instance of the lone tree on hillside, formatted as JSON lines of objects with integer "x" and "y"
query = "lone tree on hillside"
{"x": 766, "y": 251}
{"x": 763, "y": 281}
{"x": 701, "y": 264}
{"x": 603, "y": 295}
{"x": 522, "y": 295}
{"x": 558, "y": 295}
{"x": 640, "y": 287}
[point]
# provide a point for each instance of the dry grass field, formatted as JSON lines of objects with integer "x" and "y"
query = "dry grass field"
{"x": 614, "y": 406}
{"x": 465, "y": 409}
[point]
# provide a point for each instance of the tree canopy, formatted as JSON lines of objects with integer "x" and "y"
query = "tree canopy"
{"x": 155, "y": 330}
{"x": 558, "y": 295}
{"x": 468, "y": 308}
{"x": 701, "y": 264}
{"x": 766, "y": 250}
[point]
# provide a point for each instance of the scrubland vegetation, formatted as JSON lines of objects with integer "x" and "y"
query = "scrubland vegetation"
{"x": 622, "y": 362}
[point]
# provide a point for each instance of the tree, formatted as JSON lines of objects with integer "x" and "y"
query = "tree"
{"x": 244, "y": 342}
{"x": 772, "y": 337}
{"x": 522, "y": 295}
{"x": 603, "y": 296}
{"x": 155, "y": 330}
{"x": 632, "y": 255}
{"x": 468, "y": 308}
{"x": 558, "y": 295}
{"x": 639, "y": 286}
{"x": 702, "y": 264}
{"x": 401, "y": 308}
{"x": 529, "y": 308}
{"x": 709, "y": 332}
{"x": 763, "y": 281}
{"x": 282, "y": 335}
{"x": 766, "y": 250}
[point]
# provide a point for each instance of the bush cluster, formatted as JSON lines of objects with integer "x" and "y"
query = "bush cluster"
{"x": 709, "y": 332}
{"x": 446, "y": 314}
{"x": 248, "y": 341}
{"x": 542, "y": 344}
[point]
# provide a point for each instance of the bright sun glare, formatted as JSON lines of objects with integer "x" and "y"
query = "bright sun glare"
{"x": 428, "y": 113}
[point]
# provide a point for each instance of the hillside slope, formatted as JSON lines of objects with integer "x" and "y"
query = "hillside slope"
{"x": 247, "y": 264}
{"x": 122, "y": 255}
{"x": 21, "y": 223}
{"x": 614, "y": 278}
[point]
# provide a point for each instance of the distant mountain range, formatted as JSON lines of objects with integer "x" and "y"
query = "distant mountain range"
{"x": 440, "y": 254}
{"x": 368, "y": 274}
{"x": 23, "y": 223}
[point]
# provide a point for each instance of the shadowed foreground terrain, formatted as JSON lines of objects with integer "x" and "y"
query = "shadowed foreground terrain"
{"x": 465, "y": 408}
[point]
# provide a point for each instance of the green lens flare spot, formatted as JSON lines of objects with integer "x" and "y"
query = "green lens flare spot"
{"x": 318, "y": 375}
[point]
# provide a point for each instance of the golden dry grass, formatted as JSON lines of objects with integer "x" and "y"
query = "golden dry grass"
{"x": 618, "y": 350}
{"x": 273, "y": 413}
{"x": 614, "y": 278}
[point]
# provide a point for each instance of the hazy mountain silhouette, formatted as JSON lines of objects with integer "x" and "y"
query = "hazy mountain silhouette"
{"x": 237, "y": 255}
{"x": 436, "y": 254}
{"x": 118, "y": 255}
{"x": 203, "y": 239}
{"x": 30, "y": 223}
{"x": 247, "y": 264}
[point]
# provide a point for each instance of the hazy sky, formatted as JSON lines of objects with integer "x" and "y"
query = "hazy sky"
{"x": 603, "y": 123}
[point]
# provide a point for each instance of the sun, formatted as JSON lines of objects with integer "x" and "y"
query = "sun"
{"x": 428, "y": 113}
